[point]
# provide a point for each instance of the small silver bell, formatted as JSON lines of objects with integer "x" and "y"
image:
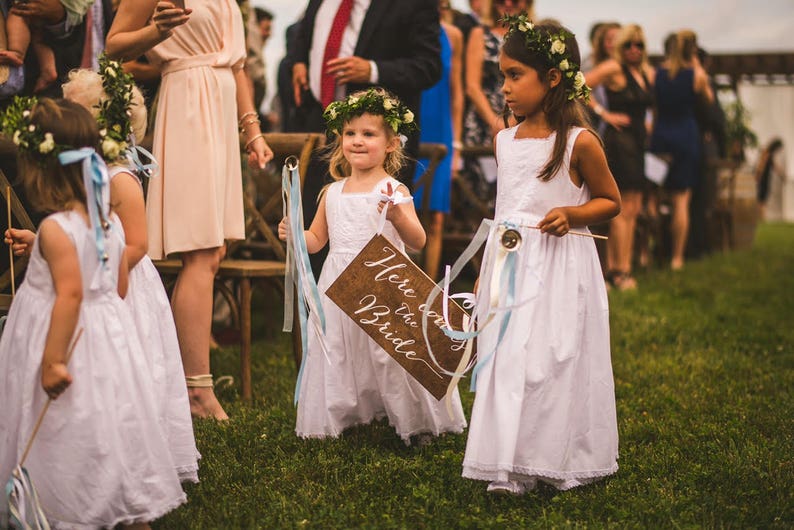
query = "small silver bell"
{"x": 105, "y": 256}
{"x": 105, "y": 225}
{"x": 511, "y": 240}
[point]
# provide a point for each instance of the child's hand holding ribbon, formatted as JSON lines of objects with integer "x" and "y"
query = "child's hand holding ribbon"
{"x": 391, "y": 197}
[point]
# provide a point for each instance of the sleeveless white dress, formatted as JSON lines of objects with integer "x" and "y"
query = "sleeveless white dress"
{"x": 545, "y": 402}
{"x": 154, "y": 321}
{"x": 361, "y": 382}
{"x": 101, "y": 458}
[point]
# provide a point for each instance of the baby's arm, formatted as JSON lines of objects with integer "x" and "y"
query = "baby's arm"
{"x": 18, "y": 40}
{"x": 21, "y": 240}
{"x": 403, "y": 217}
{"x": 126, "y": 197}
{"x": 317, "y": 234}
{"x": 60, "y": 254}
{"x": 588, "y": 163}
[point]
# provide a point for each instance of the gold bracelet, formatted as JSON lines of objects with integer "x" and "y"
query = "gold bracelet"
{"x": 244, "y": 116}
{"x": 249, "y": 122}
{"x": 254, "y": 139}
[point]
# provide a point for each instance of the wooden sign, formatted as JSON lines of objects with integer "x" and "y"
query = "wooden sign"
{"x": 385, "y": 293}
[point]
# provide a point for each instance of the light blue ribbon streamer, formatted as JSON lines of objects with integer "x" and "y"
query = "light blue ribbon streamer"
{"x": 507, "y": 285}
{"x": 133, "y": 155}
{"x": 298, "y": 268}
{"x": 23, "y": 498}
{"x": 95, "y": 180}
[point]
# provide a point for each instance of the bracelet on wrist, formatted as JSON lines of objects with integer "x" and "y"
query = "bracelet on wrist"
{"x": 249, "y": 122}
{"x": 457, "y": 145}
{"x": 253, "y": 139}
{"x": 244, "y": 116}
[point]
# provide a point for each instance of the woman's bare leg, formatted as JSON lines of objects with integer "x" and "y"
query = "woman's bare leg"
{"x": 192, "y": 306}
{"x": 679, "y": 227}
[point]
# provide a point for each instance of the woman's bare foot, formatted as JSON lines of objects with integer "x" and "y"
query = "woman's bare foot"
{"x": 204, "y": 404}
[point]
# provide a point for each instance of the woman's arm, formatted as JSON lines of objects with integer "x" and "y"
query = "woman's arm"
{"x": 475, "y": 55}
{"x": 259, "y": 153}
{"x": 126, "y": 197}
{"x": 60, "y": 254}
{"x": 589, "y": 165}
{"x": 604, "y": 74}
{"x": 140, "y": 25}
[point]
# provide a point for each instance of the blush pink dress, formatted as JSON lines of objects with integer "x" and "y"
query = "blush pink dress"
{"x": 197, "y": 202}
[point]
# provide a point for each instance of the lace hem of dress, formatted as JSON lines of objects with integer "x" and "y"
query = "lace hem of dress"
{"x": 564, "y": 479}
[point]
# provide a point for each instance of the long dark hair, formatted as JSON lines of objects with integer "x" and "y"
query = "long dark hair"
{"x": 561, "y": 113}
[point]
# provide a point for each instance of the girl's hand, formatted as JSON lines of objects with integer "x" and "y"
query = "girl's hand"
{"x": 167, "y": 16}
{"x": 555, "y": 222}
{"x": 283, "y": 229}
{"x": 21, "y": 241}
{"x": 55, "y": 379}
{"x": 395, "y": 210}
{"x": 259, "y": 153}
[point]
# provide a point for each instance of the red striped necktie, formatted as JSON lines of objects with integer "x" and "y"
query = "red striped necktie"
{"x": 328, "y": 81}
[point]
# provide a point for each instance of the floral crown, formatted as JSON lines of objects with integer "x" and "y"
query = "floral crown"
{"x": 114, "y": 112}
{"x": 373, "y": 101}
{"x": 28, "y": 136}
{"x": 552, "y": 47}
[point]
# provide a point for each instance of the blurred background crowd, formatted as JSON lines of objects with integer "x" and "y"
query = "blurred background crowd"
{"x": 677, "y": 140}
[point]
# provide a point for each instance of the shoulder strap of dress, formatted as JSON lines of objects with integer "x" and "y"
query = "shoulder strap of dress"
{"x": 573, "y": 134}
{"x": 117, "y": 170}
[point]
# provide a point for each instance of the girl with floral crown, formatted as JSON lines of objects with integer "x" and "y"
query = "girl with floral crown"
{"x": 355, "y": 381}
{"x": 118, "y": 105}
{"x": 544, "y": 406}
{"x": 100, "y": 458}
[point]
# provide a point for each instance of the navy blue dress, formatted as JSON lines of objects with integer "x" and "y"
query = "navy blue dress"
{"x": 675, "y": 133}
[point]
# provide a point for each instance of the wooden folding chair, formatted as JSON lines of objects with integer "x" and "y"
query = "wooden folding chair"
{"x": 22, "y": 220}
{"x": 241, "y": 272}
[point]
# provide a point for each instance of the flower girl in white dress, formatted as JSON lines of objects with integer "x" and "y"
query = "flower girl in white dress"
{"x": 100, "y": 458}
{"x": 545, "y": 402}
{"x": 358, "y": 381}
{"x": 114, "y": 100}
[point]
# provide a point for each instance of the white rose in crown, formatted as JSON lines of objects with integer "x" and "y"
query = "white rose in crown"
{"x": 109, "y": 71}
{"x": 564, "y": 65}
{"x": 16, "y": 138}
{"x": 387, "y": 104}
{"x": 111, "y": 148}
{"x": 47, "y": 145}
{"x": 25, "y": 113}
{"x": 578, "y": 81}
{"x": 522, "y": 27}
{"x": 408, "y": 117}
{"x": 352, "y": 100}
{"x": 557, "y": 46}
{"x": 332, "y": 113}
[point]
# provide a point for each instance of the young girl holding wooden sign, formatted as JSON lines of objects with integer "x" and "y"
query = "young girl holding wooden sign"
{"x": 100, "y": 458}
{"x": 545, "y": 403}
{"x": 351, "y": 380}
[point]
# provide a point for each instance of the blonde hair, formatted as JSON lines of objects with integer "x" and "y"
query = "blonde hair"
{"x": 682, "y": 50}
{"x": 49, "y": 186}
{"x": 630, "y": 33}
{"x": 85, "y": 87}
{"x": 340, "y": 168}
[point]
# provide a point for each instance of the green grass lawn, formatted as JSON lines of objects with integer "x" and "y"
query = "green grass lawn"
{"x": 703, "y": 373}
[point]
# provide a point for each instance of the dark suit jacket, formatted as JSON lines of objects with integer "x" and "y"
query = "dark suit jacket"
{"x": 401, "y": 36}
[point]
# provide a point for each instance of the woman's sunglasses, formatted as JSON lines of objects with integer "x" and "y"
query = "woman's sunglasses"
{"x": 637, "y": 44}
